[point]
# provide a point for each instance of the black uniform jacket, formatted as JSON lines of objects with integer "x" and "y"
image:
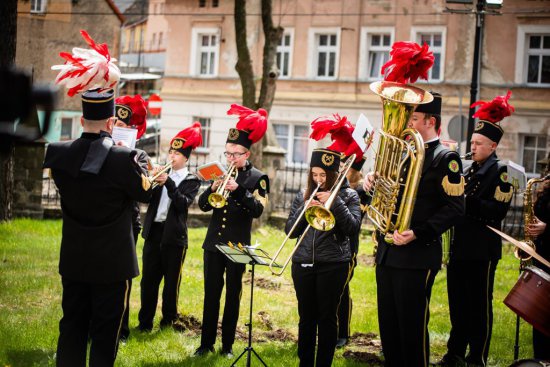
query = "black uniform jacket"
{"x": 542, "y": 211}
{"x": 233, "y": 222}
{"x": 488, "y": 196}
{"x": 327, "y": 246}
{"x": 97, "y": 245}
{"x": 181, "y": 196}
{"x": 439, "y": 202}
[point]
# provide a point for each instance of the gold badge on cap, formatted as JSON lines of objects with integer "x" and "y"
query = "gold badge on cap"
{"x": 177, "y": 144}
{"x": 122, "y": 112}
{"x": 479, "y": 125}
{"x": 327, "y": 159}
{"x": 233, "y": 134}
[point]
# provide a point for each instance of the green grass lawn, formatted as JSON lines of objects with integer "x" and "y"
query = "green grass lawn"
{"x": 30, "y": 307}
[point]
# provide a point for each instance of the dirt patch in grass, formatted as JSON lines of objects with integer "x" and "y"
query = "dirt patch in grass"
{"x": 365, "y": 260}
{"x": 364, "y": 357}
{"x": 365, "y": 348}
{"x": 263, "y": 283}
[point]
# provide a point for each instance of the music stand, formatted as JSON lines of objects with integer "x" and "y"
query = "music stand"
{"x": 253, "y": 257}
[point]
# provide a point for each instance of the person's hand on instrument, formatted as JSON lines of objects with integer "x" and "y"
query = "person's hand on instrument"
{"x": 536, "y": 229}
{"x": 404, "y": 237}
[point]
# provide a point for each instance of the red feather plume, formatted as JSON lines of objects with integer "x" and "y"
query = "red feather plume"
{"x": 340, "y": 130}
{"x": 496, "y": 110}
{"x": 255, "y": 122}
{"x": 192, "y": 135}
{"x": 408, "y": 62}
{"x": 139, "y": 112}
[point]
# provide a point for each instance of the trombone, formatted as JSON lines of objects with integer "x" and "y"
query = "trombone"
{"x": 218, "y": 199}
{"x": 149, "y": 183}
{"x": 318, "y": 216}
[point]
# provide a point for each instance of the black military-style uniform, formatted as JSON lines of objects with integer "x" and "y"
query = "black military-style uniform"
{"x": 164, "y": 250}
{"x": 97, "y": 183}
{"x": 346, "y": 303}
{"x": 405, "y": 274}
{"x": 475, "y": 253}
{"x": 233, "y": 223}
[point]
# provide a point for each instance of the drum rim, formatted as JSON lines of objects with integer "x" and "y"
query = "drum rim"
{"x": 541, "y": 273}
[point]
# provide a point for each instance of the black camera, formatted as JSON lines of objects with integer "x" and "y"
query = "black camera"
{"x": 19, "y": 101}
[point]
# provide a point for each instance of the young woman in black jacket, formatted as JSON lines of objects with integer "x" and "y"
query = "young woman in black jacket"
{"x": 321, "y": 264}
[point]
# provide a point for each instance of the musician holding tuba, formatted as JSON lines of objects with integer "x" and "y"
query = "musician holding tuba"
{"x": 541, "y": 232}
{"x": 407, "y": 260}
{"x": 476, "y": 249}
{"x": 231, "y": 222}
{"x": 321, "y": 263}
{"x": 165, "y": 232}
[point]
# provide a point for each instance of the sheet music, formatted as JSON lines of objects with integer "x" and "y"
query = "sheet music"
{"x": 211, "y": 171}
{"x": 363, "y": 132}
{"x": 245, "y": 255}
{"x": 125, "y": 135}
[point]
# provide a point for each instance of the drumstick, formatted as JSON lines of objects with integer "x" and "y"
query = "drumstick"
{"x": 522, "y": 246}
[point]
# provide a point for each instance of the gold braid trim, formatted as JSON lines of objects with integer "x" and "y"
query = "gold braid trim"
{"x": 503, "y": 196}
{"x": 260, "y": 198}
{"x": 453, "y": 189}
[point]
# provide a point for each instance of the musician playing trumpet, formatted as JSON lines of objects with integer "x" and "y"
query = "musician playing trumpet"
{"x": 321, "y": 264}
{"x": 231, "y": 222}
{"x": 165, "y": 232}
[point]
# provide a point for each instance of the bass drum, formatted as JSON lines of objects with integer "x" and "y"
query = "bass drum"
{"x": 530, "y": 298}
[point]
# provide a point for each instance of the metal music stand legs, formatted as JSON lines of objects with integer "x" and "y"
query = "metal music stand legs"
{"x": 249, "y": 349}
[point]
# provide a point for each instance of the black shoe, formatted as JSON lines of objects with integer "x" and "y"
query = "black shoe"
{"x": 341, "y": 343}
{"x": 144, "y": 329}
{"x": 201, "y": 351}
{"x": 227, "y": 352}
{"x": 451, "y": 360}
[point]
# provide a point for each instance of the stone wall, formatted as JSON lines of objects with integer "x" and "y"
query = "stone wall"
{"x": 27, "y": 190}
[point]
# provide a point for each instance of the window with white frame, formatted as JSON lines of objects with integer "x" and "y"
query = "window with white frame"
{"x": 284, "y": 55}
{"x": 295, "y": 139}
{"x": 38, "y": 6}
{"x": 538, "y": 58}
{"x": 205, "y": 51}
{"x": 379, "y": 46}
{"x": 205, "y": 130}
{"x": 434, "y": 39}
{"x": 534, "y": 149}
{"x": 326, "y": 54}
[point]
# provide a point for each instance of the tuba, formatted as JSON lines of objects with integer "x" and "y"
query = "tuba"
{"x": 218, "y": 199}
{"x": 399, "y": 158}
{"x": 528, "y": 217}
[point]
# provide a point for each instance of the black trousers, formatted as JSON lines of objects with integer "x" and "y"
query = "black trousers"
{"x": 470, "y": 290}
{"x": 318, "y": 289}
{"x": 215, "y": 265}
{"x": 125, "y": 329}
{"x": 160, "y": 261}
{"x": 541, "y": 345}
{"x": 403, "y": 314}
{"x": 94, "y": 311}
{"x": 346, "y": 305}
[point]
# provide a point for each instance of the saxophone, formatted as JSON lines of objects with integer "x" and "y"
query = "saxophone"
{"x": 528, "y": 217}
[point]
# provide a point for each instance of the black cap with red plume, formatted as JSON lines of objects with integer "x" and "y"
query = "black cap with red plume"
{"x": 490, "y": 114}
{"x": 250, "y": 128}
{"x": 187, "y": 139}
{"x": 132, "y": 111}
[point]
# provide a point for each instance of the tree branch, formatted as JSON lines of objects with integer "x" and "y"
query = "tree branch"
{"x": 244, "y": 63}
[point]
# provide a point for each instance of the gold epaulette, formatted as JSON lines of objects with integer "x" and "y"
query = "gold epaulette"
{"x": 453, "y": 189}
{"x": 260, "y": 198}
{"x": 503, "y": 196}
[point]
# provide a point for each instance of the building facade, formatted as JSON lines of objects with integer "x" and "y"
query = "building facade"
{"x": 332, "y": 50}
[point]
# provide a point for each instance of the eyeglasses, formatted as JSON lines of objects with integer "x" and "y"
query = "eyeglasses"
{"x": 233, "y": 155}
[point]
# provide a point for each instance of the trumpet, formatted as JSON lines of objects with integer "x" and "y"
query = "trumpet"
{"x": 218, "y": 199}
{"x": 149, "y": 183}
{"x": 318, "y": 216}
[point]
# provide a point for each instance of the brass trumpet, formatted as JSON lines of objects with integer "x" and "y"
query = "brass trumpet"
{"x": 318, "y": 216}
{"x": 149, "y": 183}
{"x": 218, "y": 199}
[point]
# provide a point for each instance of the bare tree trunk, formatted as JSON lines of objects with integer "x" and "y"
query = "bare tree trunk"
{"x": 244, "y": 63}
{"x": 8, "y": 38}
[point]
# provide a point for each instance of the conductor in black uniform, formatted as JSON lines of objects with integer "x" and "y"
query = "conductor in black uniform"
{"x": 231, "y": 223}
{"x": 476, "y": 249}
{"x": 98, "y": 183}
{"x": 406, "y": 269}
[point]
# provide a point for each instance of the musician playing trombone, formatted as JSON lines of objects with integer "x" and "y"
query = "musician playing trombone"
{"x": 165, "y": 233}
{"x": 242, "y": 199}
{"x": 321, "y": 264}
{"x": 406, "y": 268}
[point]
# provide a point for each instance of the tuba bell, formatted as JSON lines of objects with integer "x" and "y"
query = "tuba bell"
{"x": 399, "y": 158}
